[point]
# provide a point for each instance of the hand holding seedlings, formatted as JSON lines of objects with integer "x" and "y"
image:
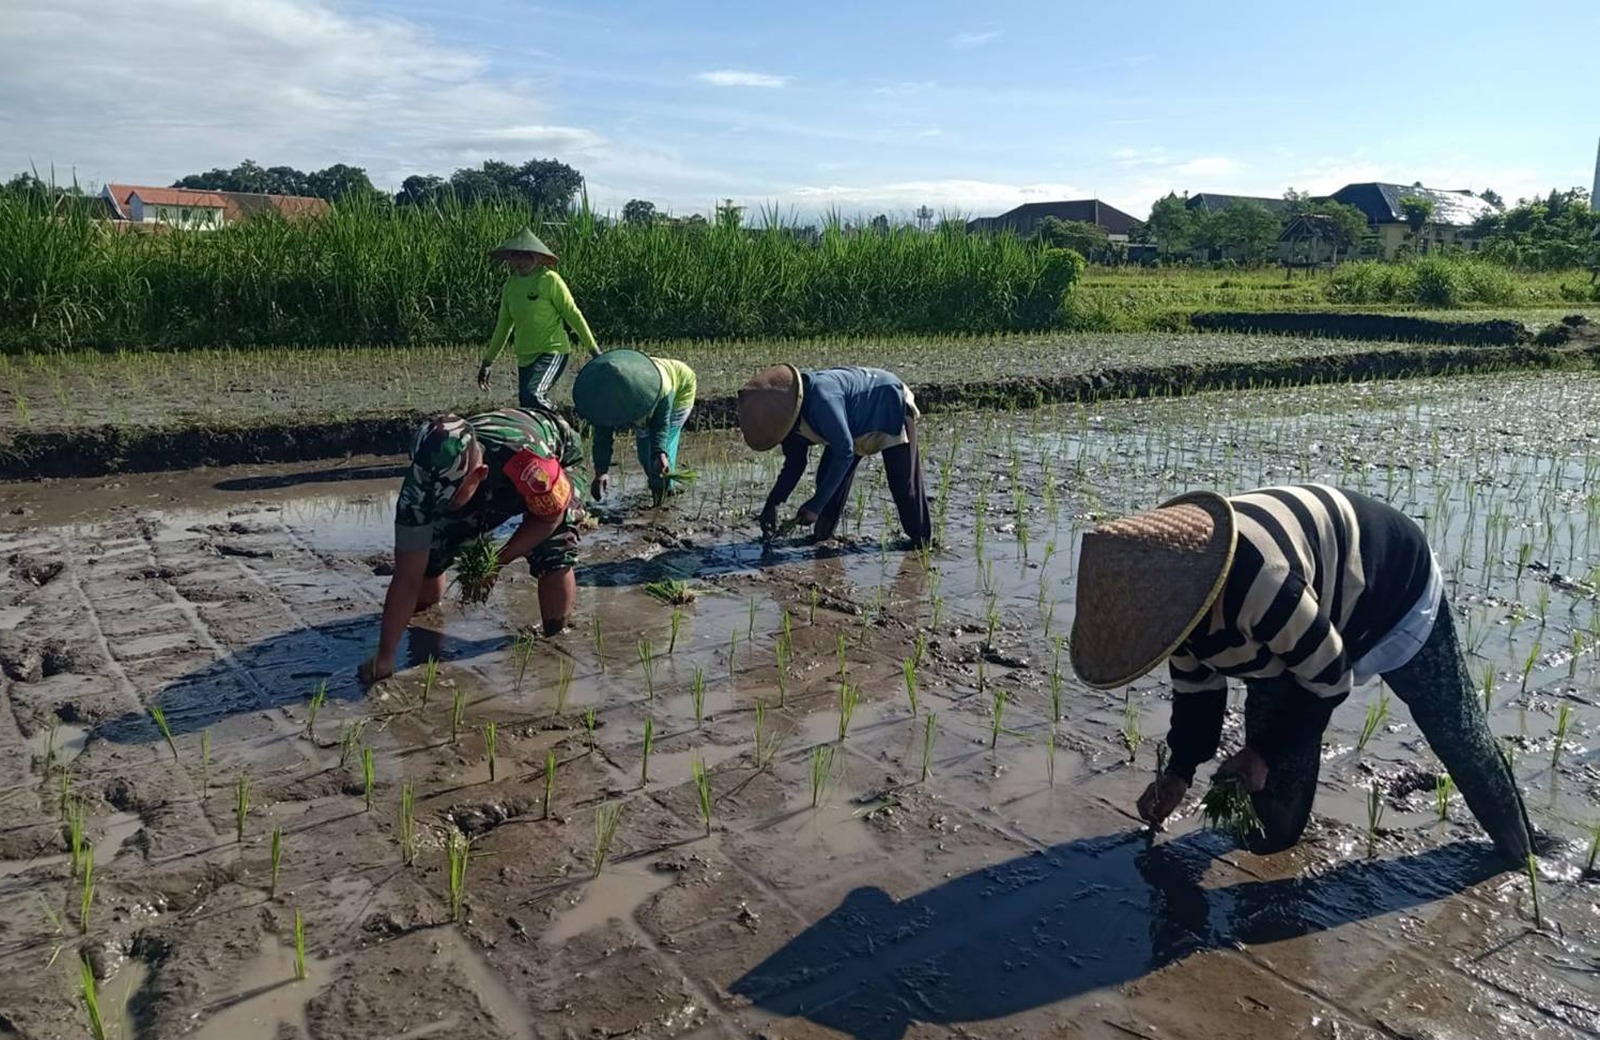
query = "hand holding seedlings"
{"x": 1162, "y": 798}
{"x": 1227, "y": 807}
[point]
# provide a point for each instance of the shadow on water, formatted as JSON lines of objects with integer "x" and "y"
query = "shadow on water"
{"x": 336, "y": 475}
{"x": 284, "y": 669}
{"x": 710, "y": 560}
{"x": 1081, "y": 916}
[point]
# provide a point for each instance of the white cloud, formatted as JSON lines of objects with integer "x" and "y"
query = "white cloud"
{"x": 740, "y": 78}
{"x": 1208, "y": 166}
{"x": 968, "y": 40}
{"x": 975, "y": 197}
{"x": 910, "y": 87}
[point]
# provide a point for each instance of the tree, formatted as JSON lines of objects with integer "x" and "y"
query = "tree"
{"x": 1493, "y": 198}
{"x": 1089, "y": 241}
{"x": 420, "y": 189}
{"x": 1417, "y": 212}
{"x": 1171, "y": 225}
{"x": 339, "y": 182}
{"x": 879, "y": 224}
{"x": 547, "y": 185}
{"x": 1248, "y": 228}
{"x": 1549, "y": 233}
{"x": 639, "y": 212}
{"x": 728, "y": 214}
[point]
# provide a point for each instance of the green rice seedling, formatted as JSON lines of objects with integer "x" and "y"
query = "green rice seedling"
{"x": 919, "y": 649}
{"x": 697, "y": 694}
{"x": 1528, "y": 664}
{"x": 761, "y": 732}
{"x": 522, "y": 656}
{"x": 64, "y": 791}
{"x": 458, "y": 713}
{"x": 844, "y": 665}
{"x": 1374, "y": 817}
{"x": 733, "y": 657}
{"x": 491, "y": 738}
{"x": 367, "y": 784}
{"x": 241, "y": 806}
{"x": 477, "y": 570}
{"x": 565, "y": 672}
{"x": 702, "y": 790}
{"x": 606, "y": 819}
{"x": 318, "y": 696}
{"x": 1577, "y": 652}
{"x": 588, "y": 727}
{"x": 1377, "y": 712}
{"x": 430, "y": 674}
{"x": 849, "y": 697}
{"x": 930, "y": 735}
{"x": 1227, "y": 807}
{"x": 811, "y": 618}
{"x": 672, "y": 593}
{"x": 909, "y": 669}
{"x": 983, "y": 682}
{"x": 649, "y": 746}
{"x": 458, "y": 854}
{"x": 1594, "y": 850}
{"x": 647, "y": 662}
{"x": 1131, "y": 735}
{"x": 350, "y": 741}
{"x": 89, "y": 990}
{"x": 50, "y": 745}
{"x": 299, "y": 946}
{"x": 783, "y": 671}
{"x": 991, "y": 622}
{"x": 677, "y": 622}
{"x": 821, "y": 772}
{"x": 1563, "y": 720}
{"x": 86, "y": 890}
{"x": 599, "y": 642}
{"x": 1056, "y": 683}
{"x": 1488, "y": 688}
{"x": 277, "y": 858}
{"x": 75, "y": 842}
{"x": 750, "y": 629}
{"x": 166, "y": 731}
{"x": 405, "y": 823}
{"x": 205, "y": 762}
{"x": 549, "y": 781}
{"x": 1050, "y": 754}
{"x": 937, "y": 613}
{"x": 1533, "y": 886}
{"x": 1444, "y": 786}
{"x": 997, "y": 712}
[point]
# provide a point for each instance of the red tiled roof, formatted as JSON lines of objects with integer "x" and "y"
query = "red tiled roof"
{"x": 236, "y": 205}
{"x": 167, "y": 196}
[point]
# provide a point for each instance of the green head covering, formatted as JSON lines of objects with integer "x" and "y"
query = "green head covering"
{"x": 617, "y": 389}
{"x": 441, "y": 453}
{"x": 524, "y": 241}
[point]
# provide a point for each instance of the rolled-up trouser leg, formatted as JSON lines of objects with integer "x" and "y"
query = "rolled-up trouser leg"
{"x": 903, "y": 467}
{"x": 1437, "y": 688}
{"x": 828, "y": 519}
{"x": 1284, "y": 804}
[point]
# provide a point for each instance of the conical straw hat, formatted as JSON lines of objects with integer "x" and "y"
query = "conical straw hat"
{"x": 769, "y": 405}
{"x": 617, "y": 389}
{"x": 1145, "y": 581}
{"x": 524, "y": 241}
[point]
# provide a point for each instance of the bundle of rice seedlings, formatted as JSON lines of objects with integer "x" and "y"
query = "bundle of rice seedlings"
{"x": 477, "y": 569}
{"x": 1227, "y": 807}
{"x": 672, "y": 593}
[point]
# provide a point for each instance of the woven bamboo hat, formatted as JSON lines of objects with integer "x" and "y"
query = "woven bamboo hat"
{"x": 524, "y": 241}
{"x": 1145, "y": 582}
{"x": 769, "y": 405}
{"x": 617, "y": 389}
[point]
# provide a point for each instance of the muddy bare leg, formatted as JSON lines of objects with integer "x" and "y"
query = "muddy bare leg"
{"x": 558, "y": 597}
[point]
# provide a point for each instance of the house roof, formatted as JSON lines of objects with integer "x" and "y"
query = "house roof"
{"x": 1312, "y": 225}
{"x": 121, "y": 193}
{"x": 1381, "y": 203}
{"x": 241, "y": 205}
{"x": 1029, "y": 215}
{"x": 235, "y": 205}
{"x": 1211, "y": 202}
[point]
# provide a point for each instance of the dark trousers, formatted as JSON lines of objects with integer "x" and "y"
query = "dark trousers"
{"x": 535, "y": 380}
{"x": 903, "y": 467}
{"x": 1444, "y": 703}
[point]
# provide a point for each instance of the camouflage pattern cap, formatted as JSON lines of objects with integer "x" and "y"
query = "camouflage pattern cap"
{"x": 441, "y": 453}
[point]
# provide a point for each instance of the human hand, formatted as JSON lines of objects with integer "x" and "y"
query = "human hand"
{"x": 662, "y": 466}
{"x": 1161, "y": 798}
{"x": 483, "y": 376}
{"x": 375, "y": 669}
{"x": 769, "y": 521}
{"x": 1250, "y": 769}
{"x": 602, "y": 483}
{"x": 805, "y": 518}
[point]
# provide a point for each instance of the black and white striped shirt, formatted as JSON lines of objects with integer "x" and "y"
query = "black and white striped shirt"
{"x": 1319, "y": 577}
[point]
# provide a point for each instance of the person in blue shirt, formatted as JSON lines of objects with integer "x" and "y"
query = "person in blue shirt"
{"x": 852, "y": 413}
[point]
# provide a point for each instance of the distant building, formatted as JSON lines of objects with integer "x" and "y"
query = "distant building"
{"x": 1454, "y": 213}
{"x": 1310, "y": 241}
{"x": 1211, "y": 202}
{"x": 1025, "y": 219}
{"x": 201, "y": 210}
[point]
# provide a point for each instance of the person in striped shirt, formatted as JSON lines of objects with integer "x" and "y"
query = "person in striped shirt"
{"x": 1305, "y": 593}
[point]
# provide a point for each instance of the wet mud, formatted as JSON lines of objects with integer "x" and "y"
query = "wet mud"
{"x": 864, "y": 871}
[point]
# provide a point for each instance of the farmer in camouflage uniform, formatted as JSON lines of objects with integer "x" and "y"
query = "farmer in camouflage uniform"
{"x": 467, "y": 478}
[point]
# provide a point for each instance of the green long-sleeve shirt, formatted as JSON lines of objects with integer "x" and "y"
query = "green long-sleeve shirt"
{"x": 535, "y": 310}
{"x": 678, "y": 386}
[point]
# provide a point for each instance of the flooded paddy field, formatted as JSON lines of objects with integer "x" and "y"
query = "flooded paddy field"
{"x": 913, "y": 820}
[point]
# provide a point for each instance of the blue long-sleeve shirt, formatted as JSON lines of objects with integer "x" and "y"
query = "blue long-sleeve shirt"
{"x": 850, "y": 411}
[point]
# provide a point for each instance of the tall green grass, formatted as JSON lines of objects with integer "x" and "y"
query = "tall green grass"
{"x": 368, "y": 274}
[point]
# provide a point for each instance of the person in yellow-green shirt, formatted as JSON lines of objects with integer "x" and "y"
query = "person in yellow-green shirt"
{"x": 536, "y": 309}
{"x": 654, "y": 396}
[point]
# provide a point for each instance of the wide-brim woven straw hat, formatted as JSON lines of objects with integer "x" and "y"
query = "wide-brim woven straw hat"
{"x": 617, "y": 389}
{"x": 524, "y": 241}
{"x": 768, "y": 406}
{"x": 1145, "y": 582}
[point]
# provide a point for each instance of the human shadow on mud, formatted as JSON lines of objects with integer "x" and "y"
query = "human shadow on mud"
{"x": 1081, "y": 916}
{"x": 335, "y": 475}
{"x": 285, "y": 668}
{"x": 706, "y": 561}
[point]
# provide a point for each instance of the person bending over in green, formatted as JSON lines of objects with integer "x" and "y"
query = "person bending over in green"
{"x": 654, "y": 396}
{"x": 536, "y": 308}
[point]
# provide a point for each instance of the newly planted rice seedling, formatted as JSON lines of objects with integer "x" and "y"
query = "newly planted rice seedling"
{"x": 89, "y": 990}
{"x": 647, "y": 662}
{"x": 350, "y": 740}
{"x": 1227, "y": 807}
{"x": 430, "y": 674}
{"x": 672, "y": 593}
{"x": 811, "y": 617}
{"x": 821, "y": 771}
{"x": 919, "y": 648}
{"x": 909, "y": 668}
{"x": 697, "y": 694}
{"x": 241, "y": 806}
{"x": 318, "y": 696}
{"x": 606, "y": 819}
{"x": 405, "y": 823}
{"x": 677, "y": 622}
{"x": 458, "y": 854}
{"x": 477, "y": 570}
{"x": 733, "y": 657}
{"x": 299, "y": 946}
{"x": 1056, "y": 683}
{"x": 1563, "y": 720}
{"x": 1594, "y": 850}
{"x": 491, "y": 738}
{"x": 458, "y": 713}
{"x": 750, "y": 629}
{"x": 844, "y": 665}
{"x": 1488, "y": 688}
{"x": 588, "y": 727}
{"x": 166, "y": 731}
{"x": 1377, "y": 712}
{"x": 367, "y": 777}
{"x": 75, "y": 843}
{"x": 997, "y": 711}
{"x": 649, "y": 745}
{"x": 930, "y": 735}
{"x": 277, "y": 859}
{"x": 1131, "y": 735}
{"x": 782, "y": 666}
{"x": 1528, "y": 664}
{"x": 1444, "y": 786}
{"x": 564, "y": 673}
{"x": 1533, "y": 886}
{"x": 549, "y": 781}
{"x": 702, "y": 790}
{"x": 599, "y": 642}
{"x": 521, "y": 656}
{"x": 64, "y": 791}
{"x": 849, "y": 697}
{"x": 86, "y": 890}
{"x": 1374, "y": 816}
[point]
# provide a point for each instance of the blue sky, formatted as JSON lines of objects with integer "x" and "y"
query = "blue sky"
{"x": 866, "y": 107}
